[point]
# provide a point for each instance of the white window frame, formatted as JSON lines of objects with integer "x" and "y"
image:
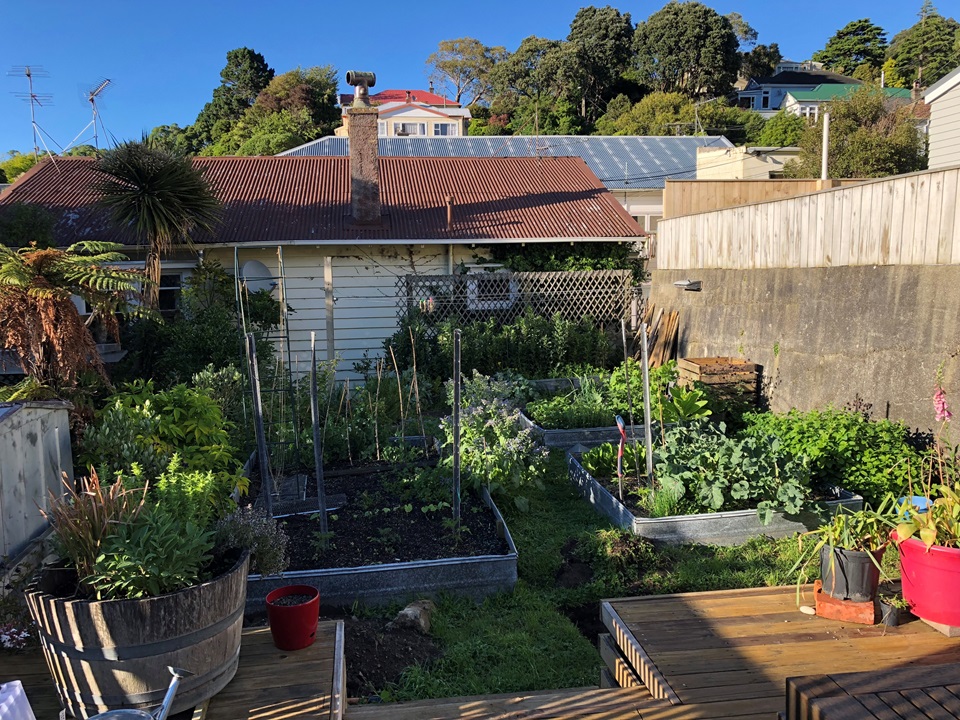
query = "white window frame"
{"x": 454, "y": 129}
{"x": 421, "y": 128}
{"x": 479, "y": 297}
{"x": 381, "y": 128}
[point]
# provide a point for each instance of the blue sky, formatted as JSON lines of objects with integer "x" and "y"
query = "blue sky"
{"x": 165, "y": 58}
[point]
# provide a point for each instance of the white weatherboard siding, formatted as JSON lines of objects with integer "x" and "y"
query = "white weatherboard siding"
{"x": 364, "y": 284}
{"x": 945, "y": 130}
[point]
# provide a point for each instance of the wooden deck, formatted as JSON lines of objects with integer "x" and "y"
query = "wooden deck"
{"x": 270, "y": 684}
{"x": 928, "y": 692}
{"x": 740, "y": 646}
{"x": 273, "y": 684}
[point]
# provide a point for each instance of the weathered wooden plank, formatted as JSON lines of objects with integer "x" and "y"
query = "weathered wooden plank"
{"x": 878, "y": 708}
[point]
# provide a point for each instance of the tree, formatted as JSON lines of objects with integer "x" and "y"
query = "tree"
{"x": 657, "y": 114}
{"x": 760, "y": 62}
{"x": 24, "y": 223}
{"x": 162, "y": 197}
{"x": 465, "y": 65}
{"x": 616, "y": 108}
{"x": 529, "y": 83}
{"x": 81, "y": 151}
{"x": 783, "y": 130}
{"x": 928, "y": 50}
{"x": 869, "y": 137}
{"x": 17, "y": 164}
{"x": 688, "y": 48}
{"x": 39, "y": 321}
{"x": 891, "y": 74}
{"x": 241, "y": 80}
{"x": 746, "y": 35}
{"x": 599, "y": 47}
{"x": 856, "y": 43}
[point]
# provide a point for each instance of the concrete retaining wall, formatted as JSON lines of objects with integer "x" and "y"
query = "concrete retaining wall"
{"x": 829, "y": 335}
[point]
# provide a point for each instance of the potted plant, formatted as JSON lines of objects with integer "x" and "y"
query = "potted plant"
{"x": 893, "y": 609}
{"x": 158, "y": 575}
{"x": 929, "y": 539}
{"x": 293, "y": 612}
{"x": 849, "y": 549}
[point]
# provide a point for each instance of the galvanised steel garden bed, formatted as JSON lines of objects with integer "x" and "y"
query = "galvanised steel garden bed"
{"x": 722, "y": 528}
{"x": 473, "y": 577}
{"x": 566, "y": 438}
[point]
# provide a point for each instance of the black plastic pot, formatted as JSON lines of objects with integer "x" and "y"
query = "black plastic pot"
{"x": 890, "y": 614}
{"x": 850, "y": 574}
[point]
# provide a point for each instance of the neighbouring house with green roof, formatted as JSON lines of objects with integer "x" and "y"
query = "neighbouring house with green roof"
{"x": 806, "y": 103}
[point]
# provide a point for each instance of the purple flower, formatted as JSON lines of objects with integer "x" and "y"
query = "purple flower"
{"x": 940, "y": 405}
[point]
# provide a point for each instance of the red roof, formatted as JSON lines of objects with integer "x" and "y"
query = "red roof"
{"x": 420, "y": 96}
{"x": 272, "y": 200}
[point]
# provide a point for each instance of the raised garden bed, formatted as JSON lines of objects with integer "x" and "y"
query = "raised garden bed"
{"x": 384, "y": 550}
{"x": 721, "y": 528}
{"x": 566, "y": 438}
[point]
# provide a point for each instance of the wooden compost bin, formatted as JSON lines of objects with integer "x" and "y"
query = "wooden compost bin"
{"x": 726, "y": 376}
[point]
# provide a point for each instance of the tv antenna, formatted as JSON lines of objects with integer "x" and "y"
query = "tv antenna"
{"x": 92, "y": 96}
{"x": 35, "y": 99}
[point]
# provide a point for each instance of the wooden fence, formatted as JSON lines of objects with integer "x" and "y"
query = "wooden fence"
{"x": 904, "y": 220}
{"x": 687, "y": 197}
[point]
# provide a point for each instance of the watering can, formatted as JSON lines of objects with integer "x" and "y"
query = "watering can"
{"x": 160, "y": 713}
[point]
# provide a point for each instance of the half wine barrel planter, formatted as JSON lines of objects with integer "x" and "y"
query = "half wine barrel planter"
{"x": 113, "y": 654}
{"x": 931, "y": 581}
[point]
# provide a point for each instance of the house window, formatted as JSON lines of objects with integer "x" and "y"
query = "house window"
{"x": 382, "y": 128}
{"x": 403, "y": 129}
{"x": 491, "y": 291}
{"x": 445, "y": 129}
{"x": 765, "y": 100}
{"x": 169, "y": 294}
{"x": 745, "y": 102}
{"x": 810, "y": 112}
{"x": 641, "y": 221}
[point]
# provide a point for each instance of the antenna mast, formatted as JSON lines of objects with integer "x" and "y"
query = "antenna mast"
{"x": 92, "y": 98}
{"x": 35, "y": 99}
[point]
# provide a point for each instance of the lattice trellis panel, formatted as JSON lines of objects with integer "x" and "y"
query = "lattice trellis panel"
{"x": 603, "y": 295}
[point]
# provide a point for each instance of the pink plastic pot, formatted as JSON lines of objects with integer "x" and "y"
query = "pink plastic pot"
{"x": 293, "y": 627}
{"x": 931, "y": 581}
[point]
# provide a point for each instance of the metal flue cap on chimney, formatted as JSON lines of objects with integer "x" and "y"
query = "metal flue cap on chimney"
{"x": 362, "y": 81}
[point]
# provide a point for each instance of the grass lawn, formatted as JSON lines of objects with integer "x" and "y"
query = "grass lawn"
{"x": 526, "y": 640}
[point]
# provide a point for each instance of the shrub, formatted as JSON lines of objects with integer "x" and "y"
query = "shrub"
{"x": 495, "y": 450}
{"x": 193, "y": 496}
{"x": 583, "y": 408}
{"x": 700, "y": 469}
{"x": 844, "y": 448}
{"x": 123, "y": 438}
{"x": 253, "y": 528}
{"x": 154, "y": 554}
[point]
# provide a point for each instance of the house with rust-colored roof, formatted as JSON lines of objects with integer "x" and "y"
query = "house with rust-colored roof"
{"x": 338, "y": 234}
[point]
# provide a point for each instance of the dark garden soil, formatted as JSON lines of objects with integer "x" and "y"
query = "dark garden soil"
{"x": 384, "y": 519}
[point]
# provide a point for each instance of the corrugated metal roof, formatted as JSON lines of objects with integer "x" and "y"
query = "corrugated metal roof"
{"x": 287, "y": 199}
{"x": 385, "y": 96}
{"x": 829, "y": 91}
{"x": 629, "y": 162}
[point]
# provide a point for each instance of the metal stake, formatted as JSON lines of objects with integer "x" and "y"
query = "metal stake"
{"x": 263, "y": 458}
{"x": 456, "y": 426}
{"x": 317, "y": 447}
{"x": 647, "y": 434}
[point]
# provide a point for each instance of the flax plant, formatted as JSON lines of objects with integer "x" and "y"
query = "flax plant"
{"x": 87, "y": 514}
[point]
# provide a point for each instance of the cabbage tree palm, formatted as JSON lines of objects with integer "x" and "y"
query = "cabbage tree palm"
{"x": 39, "y": 321}
{"x": 161, "y": 196}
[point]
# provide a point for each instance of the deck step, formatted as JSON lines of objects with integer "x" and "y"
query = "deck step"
{"x": 623, "y": 675}
{"x": 635, "y": 656}
{"x": 588, "y": 702}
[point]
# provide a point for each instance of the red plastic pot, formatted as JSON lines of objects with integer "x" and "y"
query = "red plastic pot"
{"x": 293, "y": 627}
{"x": 931, "y": 581}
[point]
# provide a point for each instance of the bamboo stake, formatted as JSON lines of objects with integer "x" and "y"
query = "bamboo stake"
{"x": 396, "y": 371}
{"x": 626, "y": 375}
{"x": 647, "y": 434}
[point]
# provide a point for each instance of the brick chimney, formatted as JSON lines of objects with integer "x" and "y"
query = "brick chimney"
{"x": 364, "y": 153}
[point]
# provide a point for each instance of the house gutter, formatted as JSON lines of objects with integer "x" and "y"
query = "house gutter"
{"x": 425, "y": 241}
